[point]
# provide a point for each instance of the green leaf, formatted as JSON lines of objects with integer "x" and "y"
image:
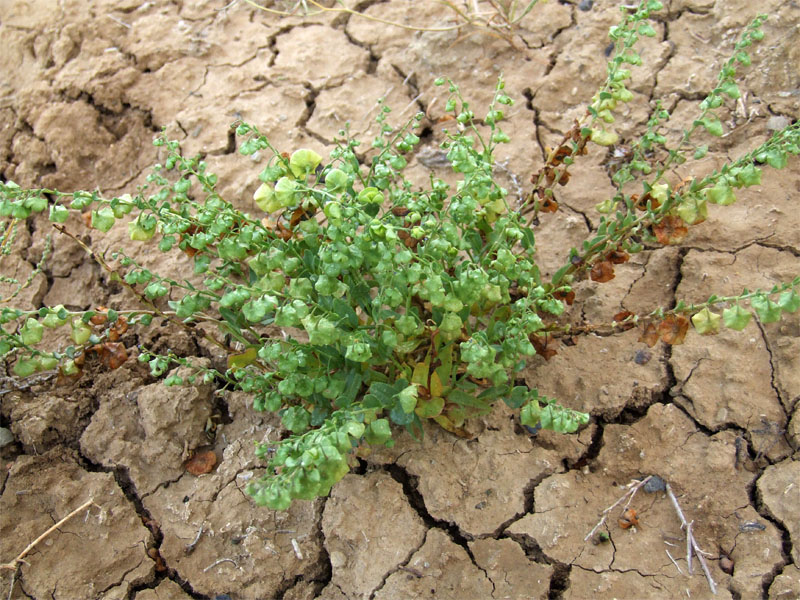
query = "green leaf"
{"x": 776, "y": 158}
{"x": 730, "y": 89}
{"x": 31, "y": 332}
{"x": 296, "y": 419}
{"x": 465, "y": 399}
{"x": 399, "y": 416}
{"x": 712, "y": 125}
{"x": 239, "y": 361}
{"x": 721, "y": 194}
{"x": 25, "y": 367}
{"x": 58, "y": 213}
{"x": 408, "y": 398}
{"x": 81, "y": 332}
{"x": 767, "y": 310}
{"x": 378, "y": 432}
{"x": 749, "y": 175}
{"x": 693, "y": 209}
{"x": 355, "y": 429}
{"x": 103, "y": 219}
{"x": 789, "y": 301}
{"x": 530, "y": 414}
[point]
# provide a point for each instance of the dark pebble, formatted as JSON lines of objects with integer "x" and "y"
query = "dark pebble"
{"x": 656, "y": 484}
{"x": 533, "y": 430}
{"x": 642, "y": 357}
{"x": 752, "y": 526}
{"x": 585, "y": 5}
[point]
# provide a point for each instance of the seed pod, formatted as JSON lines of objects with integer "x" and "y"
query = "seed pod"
{"x": 628, "y": 519}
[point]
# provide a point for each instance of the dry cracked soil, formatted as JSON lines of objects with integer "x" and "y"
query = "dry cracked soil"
{"x": 84, "y": 87}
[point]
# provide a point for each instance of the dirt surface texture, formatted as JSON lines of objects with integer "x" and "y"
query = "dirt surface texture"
{"x": 84, "y": 87}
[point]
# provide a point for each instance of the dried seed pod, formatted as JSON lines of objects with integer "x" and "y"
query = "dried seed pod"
{"x": 628, "y": 519}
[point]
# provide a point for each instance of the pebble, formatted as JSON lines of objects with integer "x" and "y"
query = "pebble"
{"x": 777, "y": 122}
{"x": 656, "y": 484}
{"x": 752, "y": 526}
{"x": 6, "y": 437}
{"x": 586, "y": 5}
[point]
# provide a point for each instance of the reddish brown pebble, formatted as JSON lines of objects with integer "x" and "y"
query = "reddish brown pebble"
{"x": 201, "y": 463}
{"x": 726, "y": 564}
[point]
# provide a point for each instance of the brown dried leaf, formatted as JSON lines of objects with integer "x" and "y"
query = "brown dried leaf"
{"x": 602, "y": 271}
{"x": 100, "y": 317}
{"x": 671, "y": 230}
{"x": 649, "y": 335}
{"x": 621, "y": 316}
{"x": 548, "y": 205}
{"x": 568, "y": 297}
{"x": 541, "y": 345}
{"x": 672, "y": 329}
{"x": 617, "y": 257}
{"x": 201, "y": 462}
{"x": 400, "y": 211}
{"x": 118, "y": 329}
{"x": 115, "y": 354}
{"x": 560, "y": 154}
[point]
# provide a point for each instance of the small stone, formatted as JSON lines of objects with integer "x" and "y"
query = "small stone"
{"x": 6, "y": 437}
{"x": 642, "y": 357}
{"x": 752, "y": 526}
{"x": 726, "y": 564}
{"x": 338, "y": 559}
{"x": 777, "y": 123}
{"x": 656, "y": 484}
{"x": 586, "y": 5}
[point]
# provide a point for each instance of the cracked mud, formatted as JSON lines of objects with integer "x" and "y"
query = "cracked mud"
{"x": 83, "y": 88}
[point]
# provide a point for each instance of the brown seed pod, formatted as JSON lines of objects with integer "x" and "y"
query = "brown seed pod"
{"x": 628, "y": 519}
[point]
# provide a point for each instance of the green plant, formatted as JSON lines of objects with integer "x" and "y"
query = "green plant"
{"x": 396, "y": 305}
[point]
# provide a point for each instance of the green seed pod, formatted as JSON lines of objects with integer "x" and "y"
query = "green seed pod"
{"x": 81, "y": 332}
{"x": 706, "y": 322}
{"x": 285, "y": 193}
{"x": 31, "y": 332}
{"x": 303, "y": 162}
{"x": 264, "y": 198}
{"x": 370, "y": 195}
{"x": 604, "y": 138}
{"x": 336, "y": 181}
{"x": 138, "y": 232}
{"x": 103, "y": 219}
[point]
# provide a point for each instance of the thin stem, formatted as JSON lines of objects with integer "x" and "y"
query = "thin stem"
{"x": 12, "y": 566}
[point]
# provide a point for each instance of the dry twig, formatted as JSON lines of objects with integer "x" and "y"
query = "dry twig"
{"x": 20, "y": 559}
{"x": 691, "y": 543}
{"x": 14, "y": 564}
{"x": 629, "y": 495}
